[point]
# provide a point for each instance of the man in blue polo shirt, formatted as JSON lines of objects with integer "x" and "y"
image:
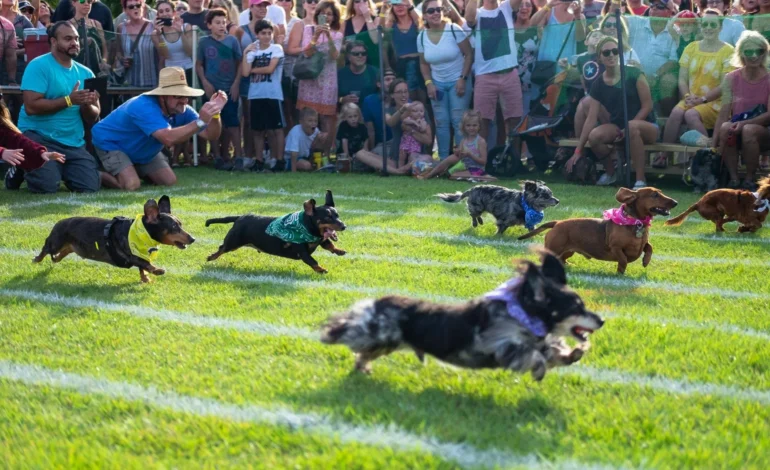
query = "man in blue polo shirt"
{"x": 129, "y": 141}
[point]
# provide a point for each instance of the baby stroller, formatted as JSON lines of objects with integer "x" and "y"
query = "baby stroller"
{"x": 548, "y": 120}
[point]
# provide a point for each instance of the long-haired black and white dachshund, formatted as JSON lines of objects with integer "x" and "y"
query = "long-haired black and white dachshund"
{"x": 508, "y": 206}
{"x": 520, "y": 326}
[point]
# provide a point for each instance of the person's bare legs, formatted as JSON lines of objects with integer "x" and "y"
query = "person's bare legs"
{"x": 375, "y": 161}
{"x": 754, "y": 139}
{"x": 109, "y": 181}
{"x": 602, "y": 140}
{"x": 328, "y": 125}
{"x": 128, "y": 179}
{"x": 233, "y": 135}
{"x": 277, "y": 141}
{"x": 729, "y": 153}
{"x": 671, "y": 130}
{"x": 641, "y": 133}
{"x": 162, "y": 177}
{"x": 248, "y": 134}
{"x": 441, "y": 168}
{"x": 258, "y": 138}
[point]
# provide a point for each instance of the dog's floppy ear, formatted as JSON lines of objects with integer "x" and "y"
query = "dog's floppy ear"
{"x": 151, "y": 210}
{"x": 626, "y": 196}
{"x": 329, "y": 198}
{"x": 534, "y": 280}
{"x": 164, "y": 205}
{"x": 530, "y": 185}
{"x": 552, "y": 268}
{"x": 309, "y": 206}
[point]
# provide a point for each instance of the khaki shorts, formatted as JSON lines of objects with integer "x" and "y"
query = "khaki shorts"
{"x": 116, "y": 161}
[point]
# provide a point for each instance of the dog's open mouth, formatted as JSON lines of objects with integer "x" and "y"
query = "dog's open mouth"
{"x": 180, "y": 245}
{"x": 660, "y": 211}
{"x": 330, "y": 234}
{"x": 581, "y": 333}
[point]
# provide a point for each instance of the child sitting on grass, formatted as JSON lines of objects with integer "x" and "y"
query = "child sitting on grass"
{"x": 302, "y": 138}
{"x": 352, "y": 134}
{"x": 470, "y": 157}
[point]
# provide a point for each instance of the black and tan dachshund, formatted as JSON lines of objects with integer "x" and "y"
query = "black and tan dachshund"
{"x": 294, "y": 236}
{"x": 121, "y": 242}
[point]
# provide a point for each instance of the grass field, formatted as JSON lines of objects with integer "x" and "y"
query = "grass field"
{"x": 218, "y": 365}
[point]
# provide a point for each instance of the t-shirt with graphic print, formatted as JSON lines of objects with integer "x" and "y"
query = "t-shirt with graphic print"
{"x": 221, "y": 61}
{"x": 266, "y": 86}
{"x": 495, "y": 45}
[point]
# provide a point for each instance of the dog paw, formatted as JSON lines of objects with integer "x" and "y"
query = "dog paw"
{"x": 146, "y": 280}
{"x": 340, "y": 252}
{"x": 159, "y": 271}
{"x": 574, "y": 356}
{"x": 320, "y": 270}
{"x": 538, "y": 371}
{"x": 364, "y": 368}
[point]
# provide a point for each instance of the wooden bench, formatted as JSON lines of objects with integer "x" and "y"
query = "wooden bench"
{"x": 675, "y": 169}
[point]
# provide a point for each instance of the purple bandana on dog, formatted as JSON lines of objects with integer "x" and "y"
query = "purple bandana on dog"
{"x": 507, "y": 293}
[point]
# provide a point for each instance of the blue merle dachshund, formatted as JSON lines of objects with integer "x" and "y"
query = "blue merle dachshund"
{"x": 510, "y": 207}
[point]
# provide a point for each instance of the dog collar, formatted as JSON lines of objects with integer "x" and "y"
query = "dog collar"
{"x": 531, "y": 216}
{"x": 765, "y": 204}
{"x": 140, "y": 242}
{"x": 508, "y": 292}
{"x": 618, "y": 216}
{"x": 290, "y": 228}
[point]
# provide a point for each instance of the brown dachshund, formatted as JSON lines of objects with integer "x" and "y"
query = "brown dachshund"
{"x": 729, "y": 205}
{"x": 621, "y": 236}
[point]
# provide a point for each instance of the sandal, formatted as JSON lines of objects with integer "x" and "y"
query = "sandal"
{"x": 660, "y": 161}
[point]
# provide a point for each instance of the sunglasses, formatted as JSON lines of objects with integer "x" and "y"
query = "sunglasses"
{"x": 134, "y": 7}
{"x": 285, "y": 1}
{"x": 610, "y": 25}
{"x": 312, "y": 2}
{"x": 430, "y": 11}
{"x": 709, "y": 25}
{"x": 181, "y": 97}
{"x": 361, "y": 1}
{"x": 659, "y": 6}
{"x": 85, "y": 1}
{"x": 610, "y": 52}
{"x": 358, "y": 54}
{"x": 754, "y": 52}
{"x": 181, "y": 9}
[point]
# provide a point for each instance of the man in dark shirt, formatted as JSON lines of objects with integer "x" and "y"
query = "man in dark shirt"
{"x": 99, "y": 12}
{"x": 357, "y": 80}
{"x": 196, "y": 15}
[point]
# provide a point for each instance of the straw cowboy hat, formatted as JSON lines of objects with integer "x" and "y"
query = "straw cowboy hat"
{"x": 172, "y": 82}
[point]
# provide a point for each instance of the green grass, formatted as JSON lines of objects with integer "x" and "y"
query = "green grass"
{"x": 697, "y": 314}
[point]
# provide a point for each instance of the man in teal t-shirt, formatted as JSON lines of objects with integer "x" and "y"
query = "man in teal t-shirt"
{"x": 55, "y": 106}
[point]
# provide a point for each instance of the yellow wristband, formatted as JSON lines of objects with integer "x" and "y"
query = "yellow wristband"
{"x": 428, "y": 82}
{"x": 68, "y": 100}
{"x": 216, "y": 116}
{"x": 312, "y": 43}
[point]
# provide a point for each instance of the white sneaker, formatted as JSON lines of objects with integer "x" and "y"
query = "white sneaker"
{"x": 606, "y": 180}
{"x": 640, "y": 184}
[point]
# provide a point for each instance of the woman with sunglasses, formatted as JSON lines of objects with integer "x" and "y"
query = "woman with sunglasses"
{"x": 404, "y": 24}
{"x": 98, "y": 59}
{"x": 609, "y": 27}
{"x": 138, "y": 47}
{"x": 760, "y": 22}
{"x": 701, "y": 68}
{"x": 745, "y": 92}
{"x": 731, "y": 28}
{"x": 177, "y": 38}
{"x": 446, "y": 58}
{"x": 607, "y": 93}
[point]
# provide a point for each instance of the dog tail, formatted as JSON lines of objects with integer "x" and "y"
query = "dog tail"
{"x": 453, "y": 197}
{"x": 363, "y": 328}
{"x": 223, "y": 220}
{"x": 676, "y": 221}
{"x": 541, "y": 229}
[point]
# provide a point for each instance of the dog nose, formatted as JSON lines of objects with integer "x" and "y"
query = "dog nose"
{"x": 675, "y": 203}
{"x": 557, "y": 201}
{"x": 342, "y": 226}
{"x": 192, "y": 239}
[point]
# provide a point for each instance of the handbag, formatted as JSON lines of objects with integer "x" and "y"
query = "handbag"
{"x": 309, "y": 68}
{"x": 545, "y": 70}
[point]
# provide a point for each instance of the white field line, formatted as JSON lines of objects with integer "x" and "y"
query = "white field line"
{"x": 666, "y": 385}
{"x": 203, "y": 320}
{"x": 387, "y": 436}
{"x": 609, "y": 376}
{"x": 83, "y": 200}
{"x": 603, "y": 281}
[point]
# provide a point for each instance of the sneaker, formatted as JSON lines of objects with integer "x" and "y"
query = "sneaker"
{"x": 606, "y": 180}
{"x": 220, "y": 164}
{"x": 640, "y": 184}
{"x": 280, "y": 165}
{"x": 13, "y": 178}
{"x": 258, "y": 166}
{"x": 242, "y": 164}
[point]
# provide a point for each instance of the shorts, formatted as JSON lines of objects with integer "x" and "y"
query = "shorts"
{"x": 288, "y": 162}
{"x": 505, "y": 86}
{"x": 230, "y": 116}
{"x": 266, "y": 114}
{"x": 116, "y": 161}
{"x": 708, "y": 112}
